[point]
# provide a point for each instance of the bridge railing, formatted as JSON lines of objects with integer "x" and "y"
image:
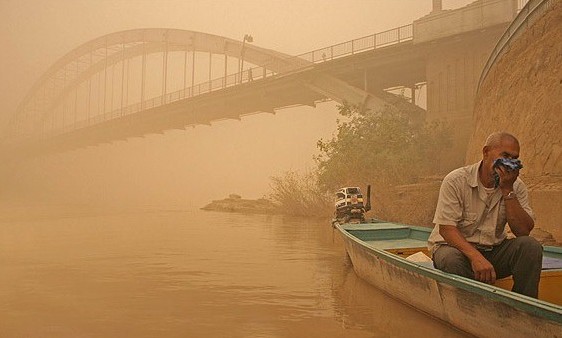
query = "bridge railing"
{"x": 370, "y": 42}
{"x": 530, "y": 11}
{"x": 293, "y": 64}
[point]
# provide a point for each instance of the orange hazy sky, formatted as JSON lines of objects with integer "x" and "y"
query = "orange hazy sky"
{"x": 35, "y": 33}
{"x": 202, "y": 163}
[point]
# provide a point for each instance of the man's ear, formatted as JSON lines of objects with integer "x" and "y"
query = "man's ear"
{"x": 485, "y": 151}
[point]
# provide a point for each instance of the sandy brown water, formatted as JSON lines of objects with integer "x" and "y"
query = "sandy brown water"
{"x": 177, "y": 273}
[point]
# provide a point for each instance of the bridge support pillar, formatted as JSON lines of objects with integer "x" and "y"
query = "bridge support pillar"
{"x": 437, "y": 5}
{"x": 459, "y": 43}
{"x": 452, "y": 76}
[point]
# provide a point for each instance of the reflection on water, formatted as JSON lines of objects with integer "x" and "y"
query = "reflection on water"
{"x": 187, "y": 274}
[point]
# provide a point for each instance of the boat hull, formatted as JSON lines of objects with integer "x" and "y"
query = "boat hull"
{"x": 470, "y": 306}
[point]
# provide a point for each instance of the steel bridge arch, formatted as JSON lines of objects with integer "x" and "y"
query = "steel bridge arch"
{"x": 29, "y": 124}
{"x": 93, "y": 56}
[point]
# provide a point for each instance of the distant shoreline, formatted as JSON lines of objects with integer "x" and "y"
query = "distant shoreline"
{"x": 235, "y": 203}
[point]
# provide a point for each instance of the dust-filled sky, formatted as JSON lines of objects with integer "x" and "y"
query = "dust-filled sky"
{"x": 194, "y": 166}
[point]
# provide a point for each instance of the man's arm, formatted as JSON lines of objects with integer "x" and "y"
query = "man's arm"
{"x": 518, "y": 219}
{"x": 520, "y": 222}
{"x": 482, "y": 268}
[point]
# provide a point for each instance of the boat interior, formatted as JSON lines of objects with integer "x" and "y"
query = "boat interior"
{"x": 410, "y": 243}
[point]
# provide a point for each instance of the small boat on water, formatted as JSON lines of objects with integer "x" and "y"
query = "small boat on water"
{"x": 394, "y": 258}
{"x": 379, "y": 253}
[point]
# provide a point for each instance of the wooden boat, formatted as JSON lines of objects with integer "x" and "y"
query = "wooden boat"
{"x": 379, "y": 251}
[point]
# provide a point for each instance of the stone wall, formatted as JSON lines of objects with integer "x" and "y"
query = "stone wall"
{"x": 522, "y": 94}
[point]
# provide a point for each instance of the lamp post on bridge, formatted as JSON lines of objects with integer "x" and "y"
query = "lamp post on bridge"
{"x": 250, "y": 39}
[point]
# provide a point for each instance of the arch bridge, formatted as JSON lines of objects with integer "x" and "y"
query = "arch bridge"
{"x": 135, "y": 82}
{"x": 142, "y": 81}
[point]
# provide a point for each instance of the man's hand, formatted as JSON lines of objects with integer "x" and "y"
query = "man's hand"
{"x": 483, "y": 269}
{"x": 507, "y": 178}
{"x": 518, "y": 219}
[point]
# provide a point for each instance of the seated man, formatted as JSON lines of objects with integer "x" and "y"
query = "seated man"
{"x": 475, "y": 202}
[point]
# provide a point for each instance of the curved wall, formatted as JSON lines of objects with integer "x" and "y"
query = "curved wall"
{"x": 522, "y": 94}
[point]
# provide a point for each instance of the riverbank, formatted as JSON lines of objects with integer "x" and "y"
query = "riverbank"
{"x": 409, "y": 204}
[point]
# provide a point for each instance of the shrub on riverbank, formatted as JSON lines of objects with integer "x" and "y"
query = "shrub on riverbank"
{"x": 299, "y": 194}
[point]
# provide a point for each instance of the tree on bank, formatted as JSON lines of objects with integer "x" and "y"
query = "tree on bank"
{"x": 384, "y": 148}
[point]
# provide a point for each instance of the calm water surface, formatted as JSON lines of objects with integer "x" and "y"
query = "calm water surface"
{"x": 188, "y": 274}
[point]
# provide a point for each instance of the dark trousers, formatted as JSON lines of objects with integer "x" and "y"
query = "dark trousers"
{"x": 519, "y": 257}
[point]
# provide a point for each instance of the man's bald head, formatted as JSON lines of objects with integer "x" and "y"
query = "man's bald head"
{"x": 496, "y": 139}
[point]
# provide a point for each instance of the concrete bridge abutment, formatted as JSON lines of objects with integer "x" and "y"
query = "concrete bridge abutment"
{"x": 458, "y": 43}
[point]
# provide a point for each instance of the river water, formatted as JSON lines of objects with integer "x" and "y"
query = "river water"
{"x": 188, "y": 273}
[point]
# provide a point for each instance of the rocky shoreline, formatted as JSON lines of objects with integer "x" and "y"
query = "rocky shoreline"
{"x": 235, "y": 203}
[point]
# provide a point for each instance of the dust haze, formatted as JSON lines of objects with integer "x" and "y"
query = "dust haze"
{"x": 178, "y": 168}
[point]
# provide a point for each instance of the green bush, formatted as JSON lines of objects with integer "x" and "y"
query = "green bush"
{"x": 384, "y": 148}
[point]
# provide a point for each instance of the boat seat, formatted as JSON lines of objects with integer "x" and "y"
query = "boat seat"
{"x": 548, "y": 263}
